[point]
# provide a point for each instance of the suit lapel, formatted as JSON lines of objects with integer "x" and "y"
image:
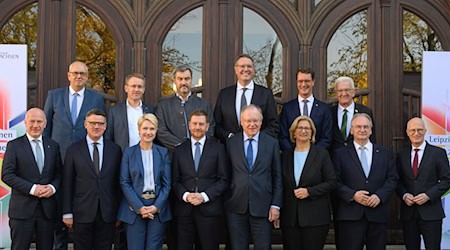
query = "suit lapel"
{"x": 87, "y": 156}
{"x": 241, "y": 150}
{"x": 425, "y": 158}
{"x": 262, "y": 148}
{"x": 124, "y": 120}
{"x": 355, "y": 158}
{"x": 375, "y": 157}
{"x": 190, "y": 158}
{"x": 83, "y": 110}
{"x": 156, "y": 163}
{"x": 233, "y": 106}
{"x": 67, "y": 105}
{"x": 27, "y": 149}
{"x": 310, "y": 159}
{"x": 47, "y": 153}
{"x": 205, "y": 151}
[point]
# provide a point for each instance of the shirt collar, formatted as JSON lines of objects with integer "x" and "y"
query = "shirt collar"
{"x": 181, "y": 98}
{"x": 421, "y": 147}
{"x": 310, "y": 99}
{"x": 139, "y": 106}
{"x": 30, "y": 138}
{"x": 72, "y": 91}
{"x": 250, "y": 86}
{"x": 350, "y": 108}
{"x": 90, "y": 141}
{"x": 368, "y": 146}
{"x": 256, "y": 137}
{"x": 202, "y": 141}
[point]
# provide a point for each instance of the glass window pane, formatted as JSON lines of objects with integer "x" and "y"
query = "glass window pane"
{"x": 347, "y": 53}
{"x": 183, "y": 46}
{"x": 262, "y": 43}
{"x": 95, "y": 46}
{"x": 316, "y": 2}
{"x": 417, "y": 37}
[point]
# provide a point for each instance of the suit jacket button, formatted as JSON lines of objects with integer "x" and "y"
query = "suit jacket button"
{"x": 367, "y": 181}
{"x": 345, "y": 143}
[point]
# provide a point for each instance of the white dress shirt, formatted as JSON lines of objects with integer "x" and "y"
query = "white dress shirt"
{"x": 133, "y": 115}
{"x": 369, "y": 152}
{"x": 248, "y": 96}
{"x": 309, "y": 104}
{"x": 350, "y": 112}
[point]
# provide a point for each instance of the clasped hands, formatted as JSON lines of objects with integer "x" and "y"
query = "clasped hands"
{"x": 419, "y": 199}
{"x": 363, "y": 198}
{"x": 195, "y": 199}
{"x": 148, "y": 212}
{"x": 43, "y": 191}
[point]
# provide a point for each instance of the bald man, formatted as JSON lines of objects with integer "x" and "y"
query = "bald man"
{"x": 31, "y": 167}
{"x": 424, "y": 177}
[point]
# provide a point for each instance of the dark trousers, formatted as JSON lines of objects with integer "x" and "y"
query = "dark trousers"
{"x": 304, "y": 238}
{"x": 431, "y": 232}
{"x": 205, "y": 228}
{"x": 96, "y": 235}
{"x": 354, "y": 234}
{"x": 22, "y": 231}
{"x": 244, "y": 228}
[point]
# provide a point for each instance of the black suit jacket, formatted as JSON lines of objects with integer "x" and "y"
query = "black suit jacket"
{"x": 433, "y": 179}
{"x": 83, "y": 190}
{"x": 382, "y": 181}
{"x": 211, "y": 177}
{"x": 20, "y": 172}
{"x": 321, "y": 116}
{"x": 319, "y": 178}
{"x": 338, "y": 140}
{"x": 225, "y": 112}
{"x": 117, "y": 130}
{"x": 260, "y": 188}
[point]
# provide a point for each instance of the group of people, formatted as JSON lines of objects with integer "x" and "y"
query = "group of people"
{"x": 187, "y": 165}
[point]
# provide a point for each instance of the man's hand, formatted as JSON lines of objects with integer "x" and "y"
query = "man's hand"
{"x": 361, "y": 196}
{"x": 409, "y": 199}
{"x": 195, "y": 199}
{"x": 43, "y": 191}
{"x": 68, "y": 222}
{"x": 301, "y": 193}
{"x": 421, "y": 199}
{"x": 274, "y": 214}
{"x": 373, "y": 200}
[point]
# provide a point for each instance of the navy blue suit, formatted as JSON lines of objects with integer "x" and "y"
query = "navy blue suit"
{"x": 59, "y": 122}
{"x": 29, "y": 213}
{"x": 382, "y": 181}
{"x": 321, "y": 116}
{"x": 144, "y": 232}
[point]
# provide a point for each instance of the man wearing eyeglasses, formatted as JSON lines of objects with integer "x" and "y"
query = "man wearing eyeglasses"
{"x": 367, "y": 177}
{"x": 306, "y": 104}
{"x": 424, "y": 177}
{"x": 342, "y": 113}
{"x": 122, "y": 118}
{"x": 65, "y": 109}
{"x": 90, "y": 186}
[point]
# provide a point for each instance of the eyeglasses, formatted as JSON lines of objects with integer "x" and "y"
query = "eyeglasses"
{"x": 75, "y": 74}
{"x": 304, "y": 129}
{"x": 340, "y": 91}
{"x": 420, "y": 131}
{"x": 362, "y": 127}
{"x": 93, "y": 124}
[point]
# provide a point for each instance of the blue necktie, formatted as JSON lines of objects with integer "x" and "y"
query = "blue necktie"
{"x": 364, "y": 162}
{"x": 197, "y": 155}
{"x": 39, "y": 158}
{"x": 250, "y": 154}
{"x": 74, "y": 108}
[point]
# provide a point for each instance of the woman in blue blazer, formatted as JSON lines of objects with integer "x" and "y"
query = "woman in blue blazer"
{"x": 145, "y": 182}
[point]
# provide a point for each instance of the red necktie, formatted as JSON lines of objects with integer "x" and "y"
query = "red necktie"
{"x": 415, "y": 165}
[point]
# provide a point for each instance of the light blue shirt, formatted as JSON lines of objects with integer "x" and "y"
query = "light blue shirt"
{"x": 80, "y": 98}
{"x": 299, "y": 164}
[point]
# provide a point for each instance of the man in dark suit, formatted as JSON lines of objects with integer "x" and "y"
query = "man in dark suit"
{"x": 122, "y": 118}
{"x": 65, "y": 109}
{"x": 199, "y": 178}
{"x": 342, "y": 113}
{"x": 173, "y": 112}
{"x": 254, "y": 197}
{"x": 91, "y": 190}
{"x": 424, "y": 177}
{"x": 367, "y": 176}
{"x": 231, "y": 99}
{"x": 31, "y": 167}
{"x": 310, "y": 106}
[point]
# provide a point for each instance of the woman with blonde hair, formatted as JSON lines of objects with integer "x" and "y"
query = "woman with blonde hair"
{"x": 308, "y": 177}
